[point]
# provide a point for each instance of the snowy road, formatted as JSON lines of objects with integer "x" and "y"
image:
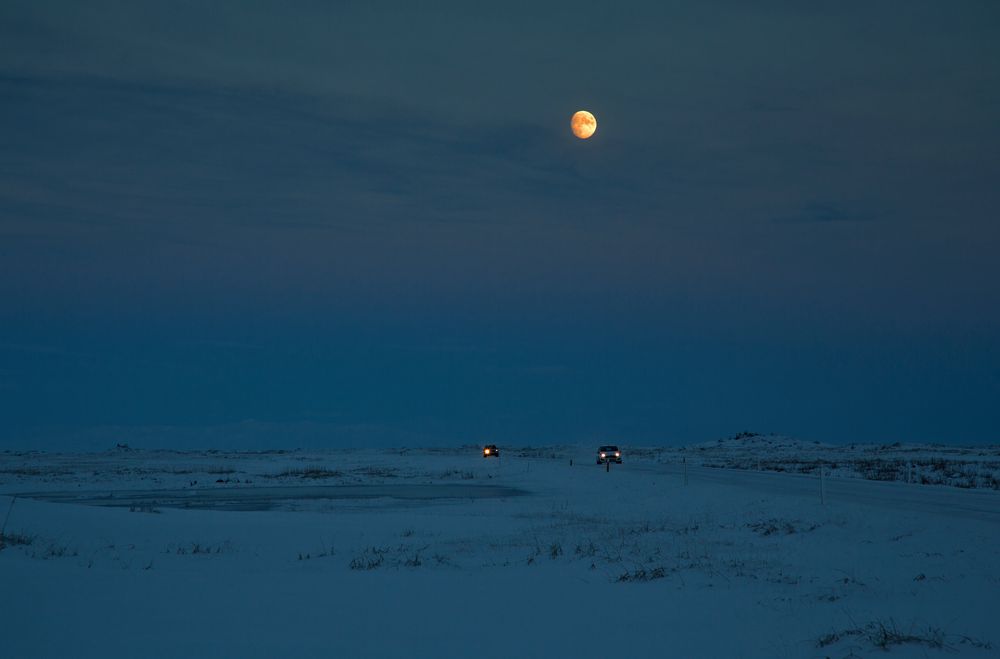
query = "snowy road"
{"x": 981, "y": 505}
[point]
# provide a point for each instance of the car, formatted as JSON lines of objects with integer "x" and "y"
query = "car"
{"x": 491, "y": 451}
{"x": 609, "y": 454}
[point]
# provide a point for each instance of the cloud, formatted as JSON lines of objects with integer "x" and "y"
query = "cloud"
{"x": 826, "y": 212}
{"x": 240, "y": 156}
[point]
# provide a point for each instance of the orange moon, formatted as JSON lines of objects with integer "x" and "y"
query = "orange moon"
{"x": 583, "y": 124}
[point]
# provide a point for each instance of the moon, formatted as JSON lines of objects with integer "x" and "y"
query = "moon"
{"x": 583, "y": 124}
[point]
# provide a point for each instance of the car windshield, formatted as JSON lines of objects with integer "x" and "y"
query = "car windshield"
{"x": 608, "y": 449}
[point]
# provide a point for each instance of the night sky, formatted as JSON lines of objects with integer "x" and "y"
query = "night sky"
{"x": 248, "y": 224}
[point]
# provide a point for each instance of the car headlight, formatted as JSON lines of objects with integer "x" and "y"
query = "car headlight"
{"x": 603, "y": 455}
{"x": 618, "y": 454}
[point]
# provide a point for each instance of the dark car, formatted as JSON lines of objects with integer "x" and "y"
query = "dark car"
{"x": 491, "y": 451}
{"x": 609, "y": 454}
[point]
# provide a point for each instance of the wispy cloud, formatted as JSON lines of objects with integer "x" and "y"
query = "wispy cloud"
{"x": 826, "y": 212}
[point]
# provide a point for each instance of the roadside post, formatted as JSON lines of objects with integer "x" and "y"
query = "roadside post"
{"x": 3, "y": 529}
{"x": 7, "y": 518}
{"x": 822, "y": 484}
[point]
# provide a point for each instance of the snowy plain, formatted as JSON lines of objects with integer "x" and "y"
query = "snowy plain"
{"x": 541, "y": 553}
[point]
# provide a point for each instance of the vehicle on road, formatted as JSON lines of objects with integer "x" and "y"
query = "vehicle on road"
{"x": 609, "y": 454}
{"x": 491, "y": 451}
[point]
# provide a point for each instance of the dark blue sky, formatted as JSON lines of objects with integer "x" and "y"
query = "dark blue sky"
{"x": 264, "y": 223}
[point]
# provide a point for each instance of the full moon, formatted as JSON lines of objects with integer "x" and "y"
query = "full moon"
{"x": 583, "y": 124}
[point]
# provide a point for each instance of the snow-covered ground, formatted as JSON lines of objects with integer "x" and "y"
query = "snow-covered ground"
{"x": 441, "y": 553}
{"x": 927, "y": 464}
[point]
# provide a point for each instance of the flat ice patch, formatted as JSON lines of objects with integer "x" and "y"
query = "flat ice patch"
{"x": 266, "y": 498}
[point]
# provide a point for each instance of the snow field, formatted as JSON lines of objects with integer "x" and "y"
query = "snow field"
{"x": 585, "y": 564}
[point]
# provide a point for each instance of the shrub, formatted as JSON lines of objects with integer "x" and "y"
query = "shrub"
{"x": 369, "y": 559}
{"x": 643, "y": 573}
{"x": 15, "y": 539}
